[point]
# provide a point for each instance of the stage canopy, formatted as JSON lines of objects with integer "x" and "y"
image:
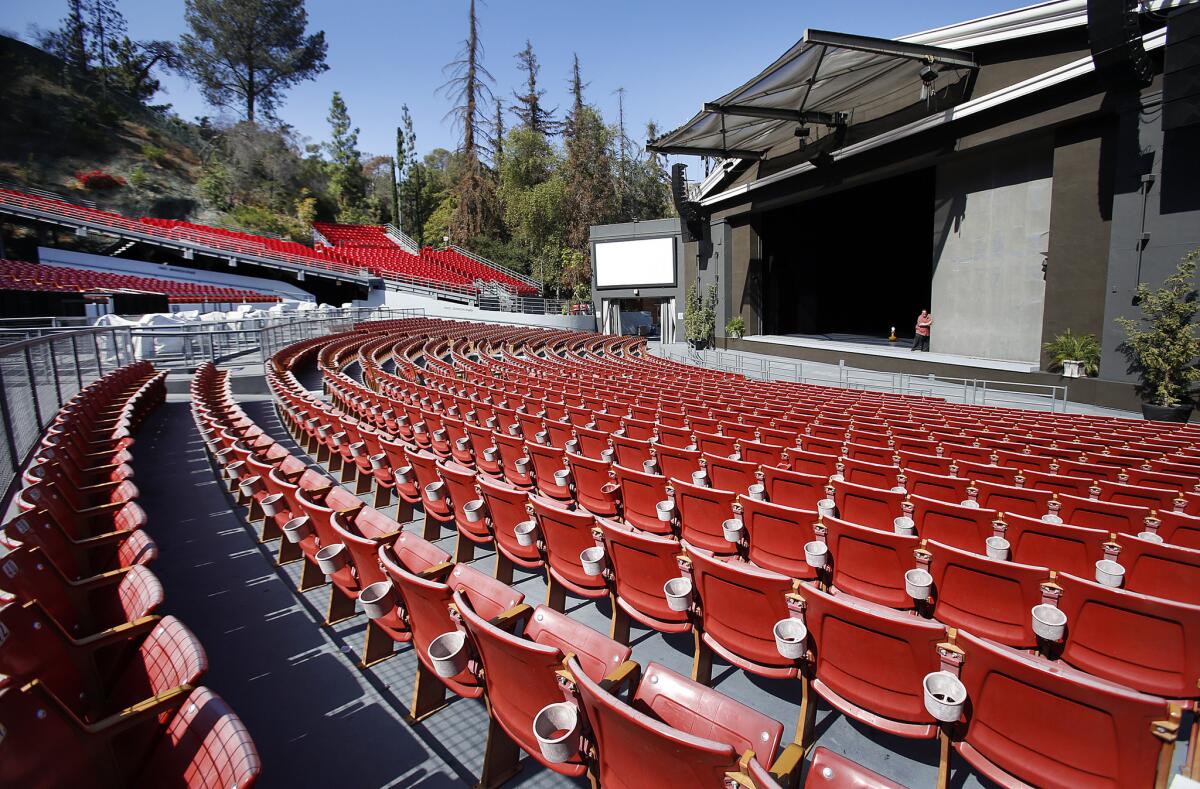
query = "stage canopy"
{"x": 822, "y": 87}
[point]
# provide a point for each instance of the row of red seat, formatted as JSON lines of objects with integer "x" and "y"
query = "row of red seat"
{"x": 504, "y": 485}
{"x": 96, "y": 688}
{"x": 23, "y": 276}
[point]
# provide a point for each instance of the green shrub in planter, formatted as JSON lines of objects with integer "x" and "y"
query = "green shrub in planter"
{"x": 1082, "y": 348}
{"x": 736, "y": 327}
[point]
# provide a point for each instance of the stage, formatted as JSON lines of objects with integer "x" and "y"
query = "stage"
{"x": 863, "y": 345}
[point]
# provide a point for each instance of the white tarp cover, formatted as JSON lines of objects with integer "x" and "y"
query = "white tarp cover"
{"x": 866, "y": 86}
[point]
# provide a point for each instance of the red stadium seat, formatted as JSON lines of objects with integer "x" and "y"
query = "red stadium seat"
{"x": 793, "y": 488}
{"x": 640, "y": 495}
{"x": 869, "y": 563}
{"x": 871, "y": 507}
{"x": 641, "y": 564}
{"x": 1062, "y": 548}
{"x": 966, "y": 528}
{"x": 701, "y": 513}
{"x": 566, "y": 534}
{"x": 777, "y": 535}
{"x": 1166, "y": 571}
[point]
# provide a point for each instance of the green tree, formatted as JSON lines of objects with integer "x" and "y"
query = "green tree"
{"x": 247, "y": 53}
{"x": 529, "y": 108}
{"x": 1163, "y": 353}
{"x": 105, "y": 28}
{"x": 347, "y": 184}
{"x": 69, "y": 41}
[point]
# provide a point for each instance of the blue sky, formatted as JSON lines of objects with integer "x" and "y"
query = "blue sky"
{"x": 669, "y": 55}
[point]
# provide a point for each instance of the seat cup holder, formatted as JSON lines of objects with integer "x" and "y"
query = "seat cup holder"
{"x": 816, "y": 553}
{"x": 758, "y": 492}
{"x": 490, "y": 454}
{"x": 474, "y": 510}
{"x": 449, "y": 654}
{"x": 700, "y": 479}
{"x": 997, "y": 548}
{"x": 514, "y": 430}
{"x": 826, "y": 508}
{"x": 944, "y": 696}
{"x": 789, "y": 638}
{"x": 378, "y": 599}
{"x": 665, "y": 510}
{"x": 231, "y": 470}
{"x": 298, "y": 529}
{"x": 918, "y": 583}
{"x": 732, "y": 529}
{"x": 526, "y": 533}
{"x": 608, "y": 456}
{"x": 572, "y": 446}
{"x": 251, "y": 485}
{"x": 522, "y": 466}
{"x": 1050, "y": 517}
{"x": 592, "y": 560}
{"x": 439, "y": 435}
{"x": 556, "y": 727}
{"x": 1150, "y": 536}
{"x": 435, "y": 491}
{"x": 270, "y": 504}
{"x": 332, "y": 558}
{"x": 463, "y": 444}
{"x": 649, "y": 467}
{"x": 542, "y": 437}
{"x": 358, "y": 449}
{"x": 404, "y": 475}
{"x": 378, "y": 461}
{"x": 1109, "y": 573}
{"x": 1049, "y": 622}
{"x": 679, "y": 593}
{"x": 562, "y": 478}
{"x": 904, "y": 525}
{"x": 419, "y": 429}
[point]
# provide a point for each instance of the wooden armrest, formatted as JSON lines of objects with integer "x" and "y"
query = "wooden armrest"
{"x": 786, "y": 769}
{"x": 103, "y": 579}
{"x": 99, "y": 540}
{"x": 507, "y": 620}
{"x": 101, "y": 508}
{"x": 628, "y": 673}
{"x": 434, "y": 572}
{"x": 116, "y": 634}
{"x": 142, "y": 712}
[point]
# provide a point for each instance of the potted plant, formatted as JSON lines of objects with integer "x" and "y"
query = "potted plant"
{"x": 1076, "y": 355}
{"x": 1162, "y": 346}
{"x": 736, "y": 328}
{"x": 700, "y": 315}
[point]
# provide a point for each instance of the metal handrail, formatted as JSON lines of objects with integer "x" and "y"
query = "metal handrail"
{"x": 503, "y": 269}
{"x": 402, "y": 239}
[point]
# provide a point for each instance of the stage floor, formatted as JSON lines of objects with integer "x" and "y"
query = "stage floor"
{"x": 879, "y": 346}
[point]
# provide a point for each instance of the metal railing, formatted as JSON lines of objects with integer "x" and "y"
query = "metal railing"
{"x": 528, "y": 305}
{"x": 528, "y": 280}
{"x": 402, "y": 239}
{"x": 969, "y": 391}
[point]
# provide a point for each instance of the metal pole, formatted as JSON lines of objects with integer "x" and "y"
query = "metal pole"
{"x": 14, "y": 461}
{"x": 75, "y": 353}
{"x": 37, "y": 408}
{"x": 99, "y": 356}
{"x": 54, "y": 367}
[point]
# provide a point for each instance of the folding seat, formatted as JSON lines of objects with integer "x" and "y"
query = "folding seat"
{"x": 675, "y": 436}
{"x": 505, "y": 508}
{"x": 521, "y": 676}
{"x": 1024, "y": 462}
{"x": 869, "y": 563}
{"x": 929, "y": 463}
{"x": 1159, "y": 479}
{"x": 565, "y": 534}
{"x": 760, "y": 454}
{"x": 984, "y": 472}
{"x": 630, "y": 452}
{"x": 1137, "y": 495}
{"x": 869, "y": 663}
{"x": 79, "y": 559}
{"x": 1093, "y": 471}
{"x": 435, "y": 503}
{"x": 513, "y": 459}
{"x": 988, "y": 597}
{"x": 827, "y": 769}
{"x": 1179, "y": 529}
{"x": 871, "y": 507}
{"x": 547, "y": 461}
{"x": 738, "y": 605}
{"x": 595, "y": 489}
{"x": 85, "y": 607}
{"x": 641, "y": 565}
{"x": 675, "y": 732}
{"x": 871, "y": 475}
{"x": 1060, "y": 484}
{"x": 936, "y": 486}
{"x": 640, "y": 494}
{"x": 919, "y": 444}
{"x": 965, "y": 528}
{"x": 673, "y": 462}
{"x": 1062, "y": 548}
{"x": 776, "y": 536}
{"x": 100, "y": 676}
{"x": 1112, "y": 517}
{"x": 793, "y": 488}
{"x": 607, "y": 422}
{"x": 638, "y": 429}
{"x": 781, "y": 435}
{"x": 701, "y": 513}
{"x": 1159, "y": 570}
{"x": 1032, "y": 721}
{"x": 1013, "y": 500}
{"x": 483, "y": 447}
{"x": 715, "y": 444}
{"x": 592, "y": 443}
{"x": 1147, "y": 643}
{"x": 882, "y": 456}
{"x": 728, "y": 474}
{"x": 192, "y": 740}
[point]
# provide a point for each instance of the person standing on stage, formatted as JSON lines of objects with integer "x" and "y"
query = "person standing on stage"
{"x": 921, "y": 341}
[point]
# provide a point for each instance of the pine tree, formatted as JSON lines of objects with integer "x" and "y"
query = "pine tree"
{"x": 497, "y": 136}
{"x": 347, "y": 183}
{"x": 589, "y": 168}
{"x": 72, "y": 47}
{"x": 105, "y": 28}
{"x": 529, "y": 106}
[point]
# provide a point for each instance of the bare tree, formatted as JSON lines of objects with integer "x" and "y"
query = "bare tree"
{"x": 529, "y": 107}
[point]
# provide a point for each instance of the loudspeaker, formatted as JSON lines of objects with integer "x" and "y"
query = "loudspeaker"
{"x": 1115, "y": 38}
{"x": 691, "y": 223}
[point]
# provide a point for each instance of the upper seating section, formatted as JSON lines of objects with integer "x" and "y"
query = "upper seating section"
{"x": 22, "y": 276}
{"x": 456, "y": 261}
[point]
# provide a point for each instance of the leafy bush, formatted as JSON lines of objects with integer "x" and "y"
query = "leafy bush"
{"x": 98, "y": 180}
{"x": 138, "y": 177}
{"x": 699, "y": 315}
{"x": 155, "y": 154}
{"x": 1164, "y": 354}
{"x": 736, "y": 326}
{"x": 1074, "y": 347}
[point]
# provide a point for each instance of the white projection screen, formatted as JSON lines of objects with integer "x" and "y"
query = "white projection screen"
{"x": 631, "y": 264}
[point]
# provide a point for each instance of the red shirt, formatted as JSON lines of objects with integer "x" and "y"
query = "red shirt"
{"x": 923, "y": 325}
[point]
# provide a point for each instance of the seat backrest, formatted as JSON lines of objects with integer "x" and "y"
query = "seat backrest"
{"x": 701, "y": 513}
{"x": 1010, "y": 499}
{"x": 794, "y": 488}
{"x": 676, "y": 462}
{"x": 728, "y": 474}
{"x": 777, "y": 535}
{"x": 962, "y": 527}
{"x": 871, "y": 659}
{"x": 991, "y": 598}
{"x": 1166, "y": 571}
{"x": 870, "y": 563}
{"x": 506, "y": 508}
{"x": 740, "y": 604}
{"x": 872, "y": 475}
{"x": 866, "y": 506}
{"x": 1137, "y": 495}
{"x": 1179, "y": 529}
{"x": 205, "y": 746}
{"x": 591, "y": 476}
{"x": 566, "y": 534}
{"x": 1062, "y": 548}
{"x": 828, "y": 769}
{"x": 1048, "y": 725}
{"x": 1062, "y": 484}
{"x": 936, "y": 486}
{"x": 640, "y": 495}
{"x": 986, "y": 472}
{"x": 1142, "y": 642}
{"x": 820, "y": 464}
{"x": 636, "y": 750}
{"x": 170, "y": 656}
{"x": 642, "y": 563}
{"x": 1107, "y": 515}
